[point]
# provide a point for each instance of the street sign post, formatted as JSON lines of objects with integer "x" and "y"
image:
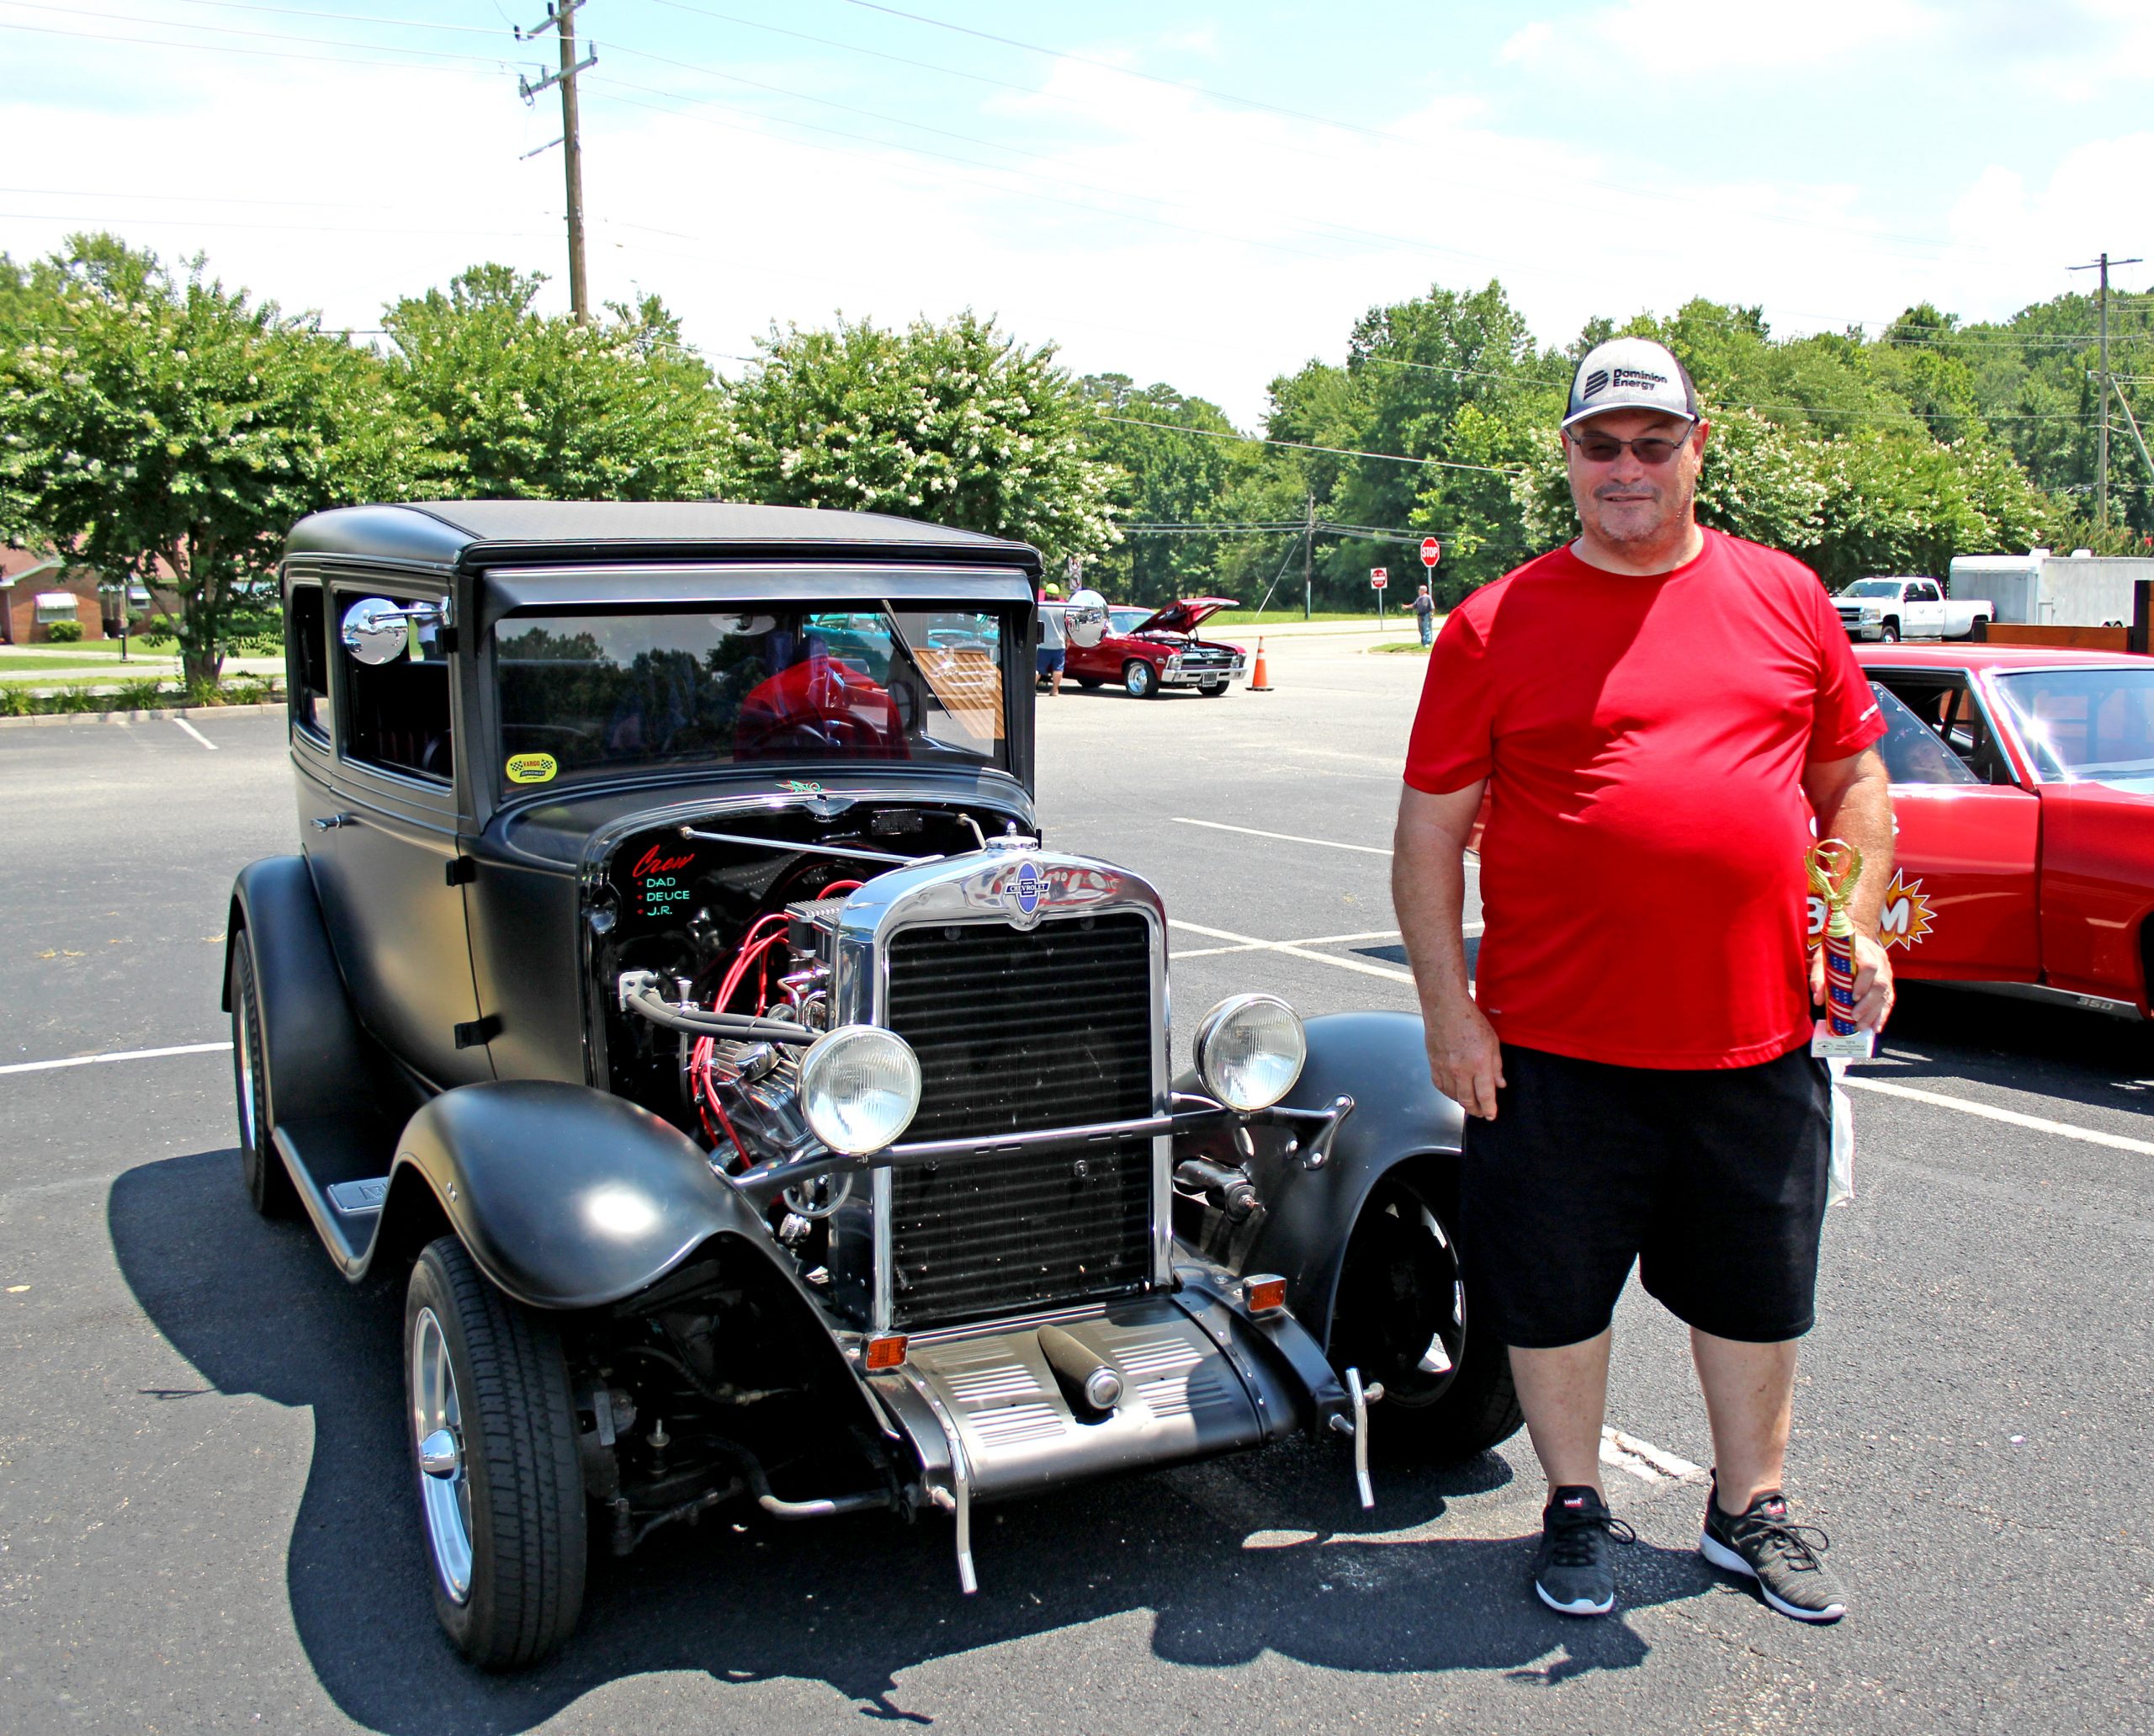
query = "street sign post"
{"x": 1378, "y": 578}
{"x": 1432, "y": 551}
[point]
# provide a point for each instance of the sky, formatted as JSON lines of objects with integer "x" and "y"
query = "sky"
{"x": 1205, "y": 195}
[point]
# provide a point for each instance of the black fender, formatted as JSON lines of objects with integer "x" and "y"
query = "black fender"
{"x": 316, "y": 1055}
{"x": 1380, "y": 1060}
{"x": 565, "y": 1196}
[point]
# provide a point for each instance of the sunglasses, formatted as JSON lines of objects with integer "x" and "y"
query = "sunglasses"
{"x": 1647, "y": 449}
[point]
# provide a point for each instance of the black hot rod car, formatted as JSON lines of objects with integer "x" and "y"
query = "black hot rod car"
{"x": 672, "y": 979}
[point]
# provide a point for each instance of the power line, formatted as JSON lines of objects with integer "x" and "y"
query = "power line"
{"x": 1392, "y": 458}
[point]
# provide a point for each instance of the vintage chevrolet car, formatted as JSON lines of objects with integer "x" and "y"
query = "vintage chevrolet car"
{"x": 672, "y": 981}
{"x": 2023, "y": 787}
{"x": 1149, "y": 651}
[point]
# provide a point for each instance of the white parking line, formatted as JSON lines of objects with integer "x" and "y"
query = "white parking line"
{"x": 1470, "y": 930}
{"x": 1250, "y": 831}
{"x": 1293, "y": 949}
{"x": 196, "y": 734}
{"x": 1647, "y": 1462}
{"x": 2011, "y": 1117}
{"x": 122, "y": 1054}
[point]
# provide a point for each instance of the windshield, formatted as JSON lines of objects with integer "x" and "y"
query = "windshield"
{"x": 1128, "y": 620}
{"x": 1873, "y": 587}
{"x": 2087, "y": 725}
{"x": 607, "y": 691}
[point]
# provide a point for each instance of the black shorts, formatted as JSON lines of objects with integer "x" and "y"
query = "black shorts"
{"x": 1712, "y": 1180}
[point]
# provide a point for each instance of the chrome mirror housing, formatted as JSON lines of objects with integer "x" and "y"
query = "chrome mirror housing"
{"x": 377, "y": 631}
{"x": 1084, "y": 622}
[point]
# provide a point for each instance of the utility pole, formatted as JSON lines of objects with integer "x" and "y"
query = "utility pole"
{"x": 1308, "y": 550}
{"x": 560, "y": 19}
{"x": 2102, "y": 421}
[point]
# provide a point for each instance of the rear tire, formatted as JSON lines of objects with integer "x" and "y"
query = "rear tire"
{"x": 1088, "y": 683}
{"x": 506, "y": 1524}
{"x": 1141, "y": 678}
{"x": 1401, "y": 1296}
{"x": 269, "y": 1183}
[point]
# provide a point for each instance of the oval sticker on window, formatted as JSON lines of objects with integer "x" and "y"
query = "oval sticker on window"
{"x": 531, "y": 768}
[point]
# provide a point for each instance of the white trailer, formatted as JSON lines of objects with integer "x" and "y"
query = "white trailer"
{"x": 2042, "y": 589}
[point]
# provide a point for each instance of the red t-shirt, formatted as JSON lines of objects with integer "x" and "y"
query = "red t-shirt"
{"x": 1641, "y": 876}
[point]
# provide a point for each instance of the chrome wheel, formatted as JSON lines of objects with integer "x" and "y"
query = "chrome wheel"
{"x": 437, "y": 1443}
{"x": 250, "y": 1131}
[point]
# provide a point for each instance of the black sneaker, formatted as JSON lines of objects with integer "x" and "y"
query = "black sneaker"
{"x": 1784, "y": 1558}
{"x": 1574, "y": 1572}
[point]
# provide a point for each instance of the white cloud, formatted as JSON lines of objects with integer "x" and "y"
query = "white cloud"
{"x": 1166, "y": 236}
{"x": 1684, "y": 37}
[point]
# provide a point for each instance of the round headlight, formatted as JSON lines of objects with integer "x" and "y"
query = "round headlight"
{"x": 859, "y": 1086}
{"x": 1249, "y": 1050}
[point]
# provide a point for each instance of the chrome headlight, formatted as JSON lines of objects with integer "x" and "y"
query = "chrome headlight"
{"x": 1249, "y": 1050}
{"x": 859, "y": 1088}
{"x": 1870, "y": 612}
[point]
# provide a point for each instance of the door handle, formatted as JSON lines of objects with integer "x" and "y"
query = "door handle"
{"x": 332, "y": 822}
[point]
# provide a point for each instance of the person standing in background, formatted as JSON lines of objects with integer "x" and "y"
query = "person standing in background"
{"x": 1424, "y": 615}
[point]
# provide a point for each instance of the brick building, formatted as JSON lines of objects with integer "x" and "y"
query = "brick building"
{"x": 37, "y": 591}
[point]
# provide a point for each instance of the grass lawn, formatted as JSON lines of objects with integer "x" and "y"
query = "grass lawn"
{"x": 1407, "y": 648}
{"x": 92, "y": 648}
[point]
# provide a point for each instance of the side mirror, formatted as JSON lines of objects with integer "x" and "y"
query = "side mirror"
{"x": 1084, "y": 622}
{"x": 377, "y": 631}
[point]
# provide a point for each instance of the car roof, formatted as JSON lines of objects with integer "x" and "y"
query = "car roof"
{"x": 1975, "y": 655}
{"x": 470, "y": 534}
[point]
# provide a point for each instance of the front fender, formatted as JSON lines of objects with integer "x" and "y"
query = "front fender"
{"x": 567, "y": 1197}
{"x": 1380, "y": 1060}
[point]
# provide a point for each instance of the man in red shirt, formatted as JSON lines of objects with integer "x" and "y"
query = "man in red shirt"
{"x": 1657, "y": 712}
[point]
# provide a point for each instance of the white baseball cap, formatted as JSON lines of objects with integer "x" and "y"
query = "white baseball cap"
{"x": 1630, "y": 373}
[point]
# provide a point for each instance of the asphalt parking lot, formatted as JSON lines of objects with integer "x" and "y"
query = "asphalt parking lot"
{"x": 203, "y": 1522}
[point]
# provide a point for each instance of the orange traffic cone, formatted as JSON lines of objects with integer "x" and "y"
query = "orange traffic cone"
{"x": 1260, "y": 678}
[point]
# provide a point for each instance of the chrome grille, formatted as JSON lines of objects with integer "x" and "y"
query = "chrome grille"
{"x": 1019, "y": 1031}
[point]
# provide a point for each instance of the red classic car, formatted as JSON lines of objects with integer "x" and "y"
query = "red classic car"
{"x": 2023, "y": 789}
{"x": 1147, "y": 650}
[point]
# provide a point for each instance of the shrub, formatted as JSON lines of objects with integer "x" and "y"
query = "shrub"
{"x": 64, "y": 632}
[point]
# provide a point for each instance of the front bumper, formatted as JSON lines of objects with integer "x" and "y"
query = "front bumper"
{"x": 1214, "y": 676}
{"x": 1865, "y": 630}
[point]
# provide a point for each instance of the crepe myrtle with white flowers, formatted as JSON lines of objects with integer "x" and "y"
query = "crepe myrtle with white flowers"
{"x": 673, "y": 980}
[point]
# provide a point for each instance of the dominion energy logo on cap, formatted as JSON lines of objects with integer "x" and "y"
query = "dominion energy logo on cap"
{"x": 1630, "y": 373}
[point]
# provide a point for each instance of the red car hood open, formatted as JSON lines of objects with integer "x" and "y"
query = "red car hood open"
{"x": 1185, "y": 616}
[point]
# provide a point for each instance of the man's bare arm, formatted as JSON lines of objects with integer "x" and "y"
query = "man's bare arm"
{"x": 1427, "y": 889}
{"x": 1853, "y": 799}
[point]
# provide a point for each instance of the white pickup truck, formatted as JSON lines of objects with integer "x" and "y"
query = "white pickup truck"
{"x": 1893, "y": 609}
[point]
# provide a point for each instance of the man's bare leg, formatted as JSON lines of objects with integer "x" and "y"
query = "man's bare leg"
{"x": 1749, "y": 1392}
{"x": 1564, "y": 1393}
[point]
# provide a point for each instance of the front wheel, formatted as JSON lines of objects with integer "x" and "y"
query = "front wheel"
{"x": 1141, "y": 678}
{"x": 493, "y": 1433}
{"x": 1889, "y": 634}
{"x": 269, "y": 1183}
{"x": 1213, "y": 690}
{"x": 1400, "y": 1318}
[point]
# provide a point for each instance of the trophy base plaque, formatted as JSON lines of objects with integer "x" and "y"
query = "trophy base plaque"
{"x": 1856, "y": 1046}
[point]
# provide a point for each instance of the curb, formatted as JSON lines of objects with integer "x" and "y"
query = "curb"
{"x": 160, "y": 714}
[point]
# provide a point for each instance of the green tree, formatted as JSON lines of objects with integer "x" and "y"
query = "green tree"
{"x": 169, "y": 432}
{"x": 1163, "y": 477}
{"x": 506, "y": 402}
{"x": 956, "y": 423}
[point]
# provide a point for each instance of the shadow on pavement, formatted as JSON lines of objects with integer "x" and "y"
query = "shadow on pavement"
{"x": 2092, "y": 1058}
{"x": 257, "y": 1308}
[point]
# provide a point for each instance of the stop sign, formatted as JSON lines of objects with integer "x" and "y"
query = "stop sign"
{"x": 1432, "y": 551}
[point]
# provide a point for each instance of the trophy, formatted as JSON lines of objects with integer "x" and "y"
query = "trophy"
{"x": 1834, "y": 867}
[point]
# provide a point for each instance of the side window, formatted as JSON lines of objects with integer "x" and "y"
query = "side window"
{"x": 1926, "y": 593}
{"x": 1912, "y": 750}
{"x": 306, "y": 653}
{"x": 396, "y": 714}
{"x": 1948, "y": 708}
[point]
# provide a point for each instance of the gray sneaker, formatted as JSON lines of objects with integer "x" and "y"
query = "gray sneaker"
{"x": 1784, "y": 1558}
{"x": 1575, "y": 1572}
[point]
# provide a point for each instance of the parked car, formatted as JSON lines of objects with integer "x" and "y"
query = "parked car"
{"x": 1889, "y": 610}
{"x": 1149, "y": 651}
{"x": 672, "y": 981}
{"x": 2023, "y": 792}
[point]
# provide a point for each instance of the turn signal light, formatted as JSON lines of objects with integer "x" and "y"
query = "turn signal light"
{"x": 885, "y": 1353}
{"x": 1265, "y": 1295}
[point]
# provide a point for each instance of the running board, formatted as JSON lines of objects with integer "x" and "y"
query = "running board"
{"x": 336, "y": 1165}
